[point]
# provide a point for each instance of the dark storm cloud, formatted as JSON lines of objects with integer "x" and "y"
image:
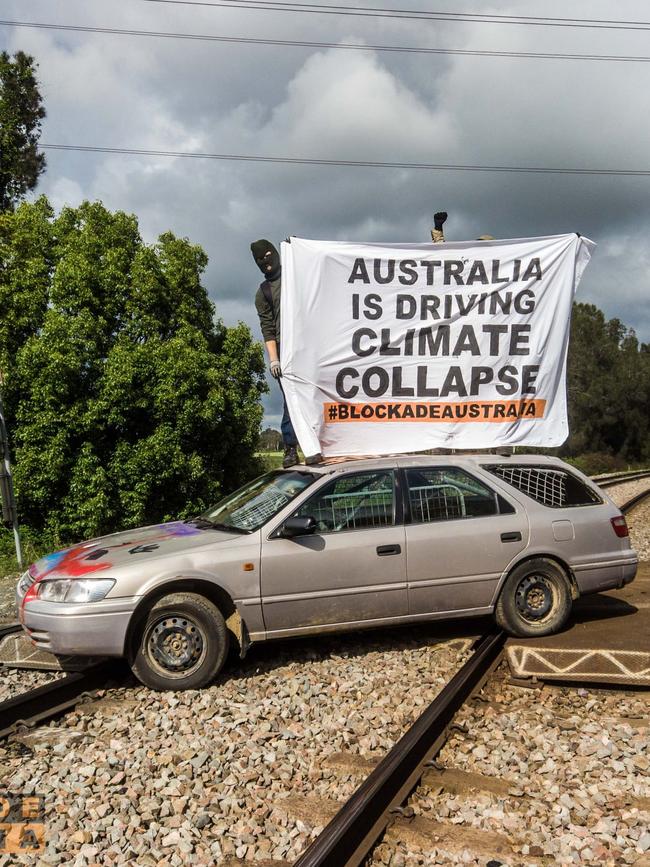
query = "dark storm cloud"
{"x": 177, "y": 95}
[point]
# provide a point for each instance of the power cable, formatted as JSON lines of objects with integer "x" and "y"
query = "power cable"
{"x": 415, "y": 14}
{"x": 547, "y": 170}
{"x": 78, "y": 28}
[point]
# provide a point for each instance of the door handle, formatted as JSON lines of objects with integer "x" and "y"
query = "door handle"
{"x": 511, "y": 537}
{"x": 385, "y": 550}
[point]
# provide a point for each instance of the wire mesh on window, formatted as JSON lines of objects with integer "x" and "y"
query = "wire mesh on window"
{"x": 436, "y": 502}
{"x": 547, "y": 486}
{"x": 260, "y": 508}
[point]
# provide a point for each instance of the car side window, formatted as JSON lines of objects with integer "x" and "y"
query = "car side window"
{"x": 354, "y": 501}
{"x": 446, "y": 494}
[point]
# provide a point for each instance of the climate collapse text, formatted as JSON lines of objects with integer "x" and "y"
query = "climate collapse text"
{"x": 450, "y": 338}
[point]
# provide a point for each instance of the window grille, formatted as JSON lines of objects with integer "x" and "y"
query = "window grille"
{"x": 436, "y": 502}
{"x": 260, "y": 508}
{"x": 546, "y": 486}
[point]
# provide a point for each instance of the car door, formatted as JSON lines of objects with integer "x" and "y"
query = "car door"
{"x": 460, "y": 537}
{"x": 352, "y": 569}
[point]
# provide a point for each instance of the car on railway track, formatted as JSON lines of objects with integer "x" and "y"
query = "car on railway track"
{"x": 334, "y": 547}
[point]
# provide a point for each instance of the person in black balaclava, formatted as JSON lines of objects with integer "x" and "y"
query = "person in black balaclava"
{"x": 267, "y": 303}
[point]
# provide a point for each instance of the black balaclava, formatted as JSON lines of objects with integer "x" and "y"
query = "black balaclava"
{"x": 267, "y": 258}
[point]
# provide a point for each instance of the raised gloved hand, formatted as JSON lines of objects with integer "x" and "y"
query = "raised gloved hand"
{"x": 439, "y": 219}
{"x": 276, "y": 370}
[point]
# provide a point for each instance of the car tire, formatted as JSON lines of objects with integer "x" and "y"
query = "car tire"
{"x": 183, "y": 643}
{"x": 535, "y": 599}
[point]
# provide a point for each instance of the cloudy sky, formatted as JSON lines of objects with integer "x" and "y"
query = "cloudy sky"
{"x": 180, "y": 95}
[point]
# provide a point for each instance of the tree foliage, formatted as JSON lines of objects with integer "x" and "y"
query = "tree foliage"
{"x": 129, "y": 402}
{"x": 608, "y": 387}
{"x": 270, "y": 440}
{"x": 21, "y": 113}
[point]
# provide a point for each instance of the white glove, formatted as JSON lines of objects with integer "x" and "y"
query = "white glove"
{"x": 276, "y": 370}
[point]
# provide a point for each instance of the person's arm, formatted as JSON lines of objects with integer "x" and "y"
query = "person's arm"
{"x": 274, "y": 361}
{"x": 272, "y": 350}
{"x": 437, "y": 234}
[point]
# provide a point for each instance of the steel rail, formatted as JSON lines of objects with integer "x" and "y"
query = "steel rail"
{"x": 350, "y": 835}
{"x": 634, "y": 501}
{"x": 52, "y": 699}
{"x": 620, "y": 478}
{"x": 9, "y": 629}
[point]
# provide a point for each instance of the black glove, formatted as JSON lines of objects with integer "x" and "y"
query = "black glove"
{"x": 439, "y": 219}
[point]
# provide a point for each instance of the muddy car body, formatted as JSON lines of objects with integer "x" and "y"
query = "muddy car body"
{"x": 334, "y": 547}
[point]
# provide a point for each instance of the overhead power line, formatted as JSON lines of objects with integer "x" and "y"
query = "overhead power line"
{"x": 375, "y": 164}
{"x": 406, "y": 49}
{"x": 415, "y": 14}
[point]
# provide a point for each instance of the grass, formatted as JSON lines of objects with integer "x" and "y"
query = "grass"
{"x": 33, "y": 547}
{"x": 270, "y": 460}
{"x": 273, "y": 460}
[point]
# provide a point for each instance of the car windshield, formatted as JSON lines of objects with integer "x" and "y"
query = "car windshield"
{"x": 258, "y": 501}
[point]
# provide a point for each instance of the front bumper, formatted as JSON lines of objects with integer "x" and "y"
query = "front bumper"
{"x": 92, "y": 629}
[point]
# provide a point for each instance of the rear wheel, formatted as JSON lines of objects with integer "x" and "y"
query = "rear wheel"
{"x": 183, "y": 643}
{"x": 535, "y": 599}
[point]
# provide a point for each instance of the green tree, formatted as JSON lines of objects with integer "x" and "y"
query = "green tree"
{"x": 130, "y": 402}
{"x": 608, "y": 387}
{"x": 21, "y": 113}
{"x": 270, "y": 440}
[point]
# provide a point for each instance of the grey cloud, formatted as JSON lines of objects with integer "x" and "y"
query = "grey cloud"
{"x": 207, "y": 97}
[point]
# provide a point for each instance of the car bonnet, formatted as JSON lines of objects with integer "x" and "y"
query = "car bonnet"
{"x": 121, "y": 549}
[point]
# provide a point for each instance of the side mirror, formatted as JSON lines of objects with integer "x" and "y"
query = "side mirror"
{"x": 298, "y": 527}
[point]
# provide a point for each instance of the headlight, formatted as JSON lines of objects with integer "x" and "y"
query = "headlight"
{"x": 67, "y": 590}
{"x": 53, "y": 591}
{"x": 89, "y": 589}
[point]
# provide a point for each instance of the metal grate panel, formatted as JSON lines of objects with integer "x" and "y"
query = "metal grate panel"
{"x": 436, "y": 502}
{"x": 546, "y": 486}
{"x": 354, "y": 510}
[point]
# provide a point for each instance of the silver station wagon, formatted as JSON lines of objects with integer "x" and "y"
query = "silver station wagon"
{"x": 334, "y": 547}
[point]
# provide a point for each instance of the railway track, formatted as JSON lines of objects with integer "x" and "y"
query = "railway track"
{"x": 350, "y": 836}
{"x": 628, "y": 506}
{"x": 612, "y": 479}
{"x": 621, "y": 478}
{"x": 54, "y": 699}
{"x": 9, "y": 629}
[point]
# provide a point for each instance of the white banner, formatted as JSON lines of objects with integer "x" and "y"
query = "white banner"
{"x": 402, "y": 347}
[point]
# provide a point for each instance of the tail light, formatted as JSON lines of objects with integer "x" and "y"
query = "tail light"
{"x": 620, "y": 526}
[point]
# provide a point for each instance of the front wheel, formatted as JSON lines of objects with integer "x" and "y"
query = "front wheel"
{"x": 183, "y": 643}
{"x": 535, "y": 599}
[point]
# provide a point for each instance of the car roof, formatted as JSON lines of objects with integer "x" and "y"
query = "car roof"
{"x": 333, "y": 465}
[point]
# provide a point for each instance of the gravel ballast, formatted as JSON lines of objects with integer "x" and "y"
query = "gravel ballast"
{"x": 13, "y": 682}
{"x": 577, "y": 765}
{"x": 8, "y": 598}
{"x": 195, "y": 777}
{"x": 624, "y": 491}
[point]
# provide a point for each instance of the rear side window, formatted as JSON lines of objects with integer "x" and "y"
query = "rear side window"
{"x": 447, "y": 493}
{"x": 550, "y": 486}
